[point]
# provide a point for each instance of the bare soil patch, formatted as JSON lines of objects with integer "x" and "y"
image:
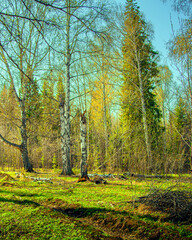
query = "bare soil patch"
{"x": 114, "y": 222}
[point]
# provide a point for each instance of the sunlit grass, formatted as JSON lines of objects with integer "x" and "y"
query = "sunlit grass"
{"x": 58, "y": 209}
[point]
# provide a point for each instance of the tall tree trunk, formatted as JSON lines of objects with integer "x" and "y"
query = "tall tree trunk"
{"x": 62, "y": 134}
{"x": 104, "y": 106}
{"x": 83, "y": 135}
{"x": 66, "y": 119}
{"x": 105, "y": 120}
{"x": 144, "y": 114}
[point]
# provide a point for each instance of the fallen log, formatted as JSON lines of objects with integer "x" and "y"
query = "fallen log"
{"x": 40, "y": 179}
{"x": 22, "y": 176}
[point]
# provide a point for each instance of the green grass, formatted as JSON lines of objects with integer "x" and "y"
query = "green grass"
{"x": 66, "y": 209}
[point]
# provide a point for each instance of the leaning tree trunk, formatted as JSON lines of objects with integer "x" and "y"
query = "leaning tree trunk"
{"x": 83, "y": 133}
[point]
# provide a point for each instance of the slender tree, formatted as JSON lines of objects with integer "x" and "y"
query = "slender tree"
{"x": 83, "y": 136}
{"x": 180, "y": 53}
{"x": 164, "y": 93}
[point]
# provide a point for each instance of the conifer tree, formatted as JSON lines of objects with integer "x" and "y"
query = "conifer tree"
{"x": 139, "y": 108}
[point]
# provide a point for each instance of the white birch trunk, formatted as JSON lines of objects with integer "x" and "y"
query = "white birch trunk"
{"x": 65, "y": 109}
{"x": 83, "y": 135}
{"x": 62, "y": 134}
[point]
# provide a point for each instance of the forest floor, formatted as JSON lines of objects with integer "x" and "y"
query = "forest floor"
{"x": 63, "y": 208}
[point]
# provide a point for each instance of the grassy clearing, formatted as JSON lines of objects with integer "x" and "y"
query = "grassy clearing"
{"x": 66, "y": 209}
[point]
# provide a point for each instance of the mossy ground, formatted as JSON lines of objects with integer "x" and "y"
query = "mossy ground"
{"x": 67, "y": 209}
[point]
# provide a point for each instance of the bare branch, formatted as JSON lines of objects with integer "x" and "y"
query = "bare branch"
{"x": 10, "y": 143}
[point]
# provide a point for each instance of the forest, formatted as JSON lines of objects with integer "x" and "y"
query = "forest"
{"x": 95, "y": 132}
{"x": 82, "y": 89}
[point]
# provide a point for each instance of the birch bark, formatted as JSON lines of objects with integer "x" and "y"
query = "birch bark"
{"x": 62, "y": 134}
{"x": 65, "y": 106}
{"x": 83, "y": 134}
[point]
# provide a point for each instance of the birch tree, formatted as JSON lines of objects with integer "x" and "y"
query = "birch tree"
{"x": 81, "y": 18}
{"x": 83, "y": 137}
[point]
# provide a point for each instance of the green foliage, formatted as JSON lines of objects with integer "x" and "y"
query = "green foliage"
{"x": 181, "y": 116}
{"x": 54, "y": 162}
{"x": 140, "y": 61}
{"x": 33, "y": 100}
{"x": 95, "y": 85}
{"x": 43, "y": 161}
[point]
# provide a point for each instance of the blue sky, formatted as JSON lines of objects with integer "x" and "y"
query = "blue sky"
{"x": 160, "y": 15}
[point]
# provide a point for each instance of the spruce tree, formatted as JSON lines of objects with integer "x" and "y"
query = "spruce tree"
{"x": 140, "y": 113}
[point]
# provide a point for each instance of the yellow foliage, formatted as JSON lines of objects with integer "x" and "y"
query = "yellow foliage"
{"x": 97, "y": 102}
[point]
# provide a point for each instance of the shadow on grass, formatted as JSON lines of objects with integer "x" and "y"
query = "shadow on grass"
{"x": 24, "y": 202}
{"x": 21, "y": 194}
{"x": 81, "y": 212}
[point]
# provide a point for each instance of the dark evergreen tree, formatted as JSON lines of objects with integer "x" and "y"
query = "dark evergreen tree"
{"x": 140, "y": 112}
